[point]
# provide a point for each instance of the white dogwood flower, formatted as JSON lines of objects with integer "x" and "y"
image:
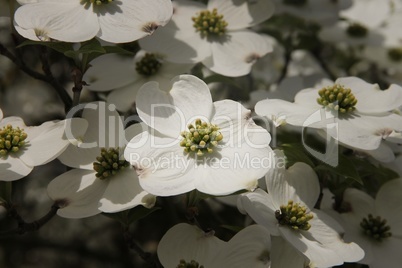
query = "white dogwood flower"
{"x": 193, "y": 143}
{"x": 128, "y": 75}
{"x": 287, "y": 211}
{"x": 102, "y": 180}
{"x": 215, "y": 34}
{"x": 375, "y": 224}
{"x": 24, "y": 147}
{"x": 115, "y": 21}
{"x": 186, "y": 245}
{"x": 357, "y": 114}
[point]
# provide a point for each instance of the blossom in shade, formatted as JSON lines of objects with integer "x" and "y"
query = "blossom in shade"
{"x": 101, "y": 181}
{"x": 128, "y": 75}
{"x": 186, "y": 244}
{"x": 287, "y": 211}
{"x": 215, "y": 34}
{"x": 375, "y": 224}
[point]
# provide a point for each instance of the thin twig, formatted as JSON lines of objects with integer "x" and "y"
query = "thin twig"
{"x": 24, "y": 227}
{"x": 317, "y": 55}
{"x": 147, "y": 257}
{"x": 45, "y": 78}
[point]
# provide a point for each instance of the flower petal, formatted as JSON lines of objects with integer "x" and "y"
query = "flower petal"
{"x": 78, "y": 193}
{"x": 370, "y": 98}
{"x": 101, "y": 77}
{"x": 60, "y": 21}
{"x": 259, "y": 206}
{"x": 284, "y": 255}
{"x": 46, "y": 146}
{"x": 160, "y": 163}
{"x": 181, "y": 42}
{"x": 361, "y": 204}
{"x": 124, "y": 192}
{"x": 294, "y": 114}
{"x": 388, "y": 203}
{"x": 387, "y": 254}
{"x": 298, "y": 183}
{"x": 248, "y": 248}
{"x": 318, "y": 254}
{"x": 243, "y": 14}
{"x": 13, "y": 168}
{"x": 188, "y": 242}
{"x": 236, "y": 52}
{"x": 126, "y": 20}
{"x": 169, "y": 113}
{"x": 325, "y": 230}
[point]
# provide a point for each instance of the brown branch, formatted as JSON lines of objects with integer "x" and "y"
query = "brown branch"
{"x": 48, "y": 78}
{"x": 24, "y": 227}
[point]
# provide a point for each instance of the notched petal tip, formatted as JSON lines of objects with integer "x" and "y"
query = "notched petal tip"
{"x": 150, "y": 27}
{"x": 62, "y": 203}
{"x": 252, "y": 58}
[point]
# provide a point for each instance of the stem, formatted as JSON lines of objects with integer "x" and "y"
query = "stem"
{"x": 45, "y": 78}
{"x": 24, "y": 227}
{"x": 147, "y": 257}
{"x": 5, "y": 192}
{"x": 78, "y": 83}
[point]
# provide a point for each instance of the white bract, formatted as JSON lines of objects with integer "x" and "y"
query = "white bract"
{"x": 193, "y": 143}
{"x": 287, "y": 211}
{"x": 355, "y": 113}
{"x": 362, "y": 24}
{"x": 187, "y": 244}
{"x": 375, "y": 224}
{"x": 214, "y": 34}
{"x": 24, "y": 147}
{"x": 128, "y": 75}
{"x": 115, "y": 21}
{"x": 102, "y": 180}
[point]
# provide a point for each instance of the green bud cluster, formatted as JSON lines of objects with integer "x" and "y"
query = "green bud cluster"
{"x": 201, "y": 138}
{"x": 191, "y": 264}
{"x": 375, "y": 228}
{"x": 337, "y": 98}
{"x": 100, "y": 2}
{"x": 295, "y": 2}
{"x": 11, "y": 139}
{"x": 357, "y": 30}
{"x": 209, "y": 23}
{"x": 395, "y": 54}
{"x": 109, "y": 163}
{"x": 294, "y": 216}
{"x": 148, "y": 65}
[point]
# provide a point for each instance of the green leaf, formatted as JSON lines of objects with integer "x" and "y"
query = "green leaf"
{"x": 61, "y": 47}
{"x": 92, "y": 46}
{"x": 295, "y": 152}
{"x": 345, "y": 168}
{"x": 128, "y": 216}
{"x": 118, "y": 50}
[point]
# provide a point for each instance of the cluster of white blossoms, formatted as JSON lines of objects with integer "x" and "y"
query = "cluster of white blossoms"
{"x": 158, "y": 129}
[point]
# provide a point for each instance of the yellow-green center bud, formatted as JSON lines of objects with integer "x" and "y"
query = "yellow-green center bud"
{"x": 100, "y": 2}
{"x": 148, "y": 65}
{"x": 395, "y": 54}
{"x": 375, "y": 228}
{"x": 191, "y": 264}
{"x": 337, "y": 98}
{"x": 200, "y": 138}
{"x": 294, "y": 216}
{"x": 297, "y": 3}
{"x": 209, "y": 23}
{"x": 357, "y": 30}
{"x": 109, "y": 163}
{"x": 12, "y": 140}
